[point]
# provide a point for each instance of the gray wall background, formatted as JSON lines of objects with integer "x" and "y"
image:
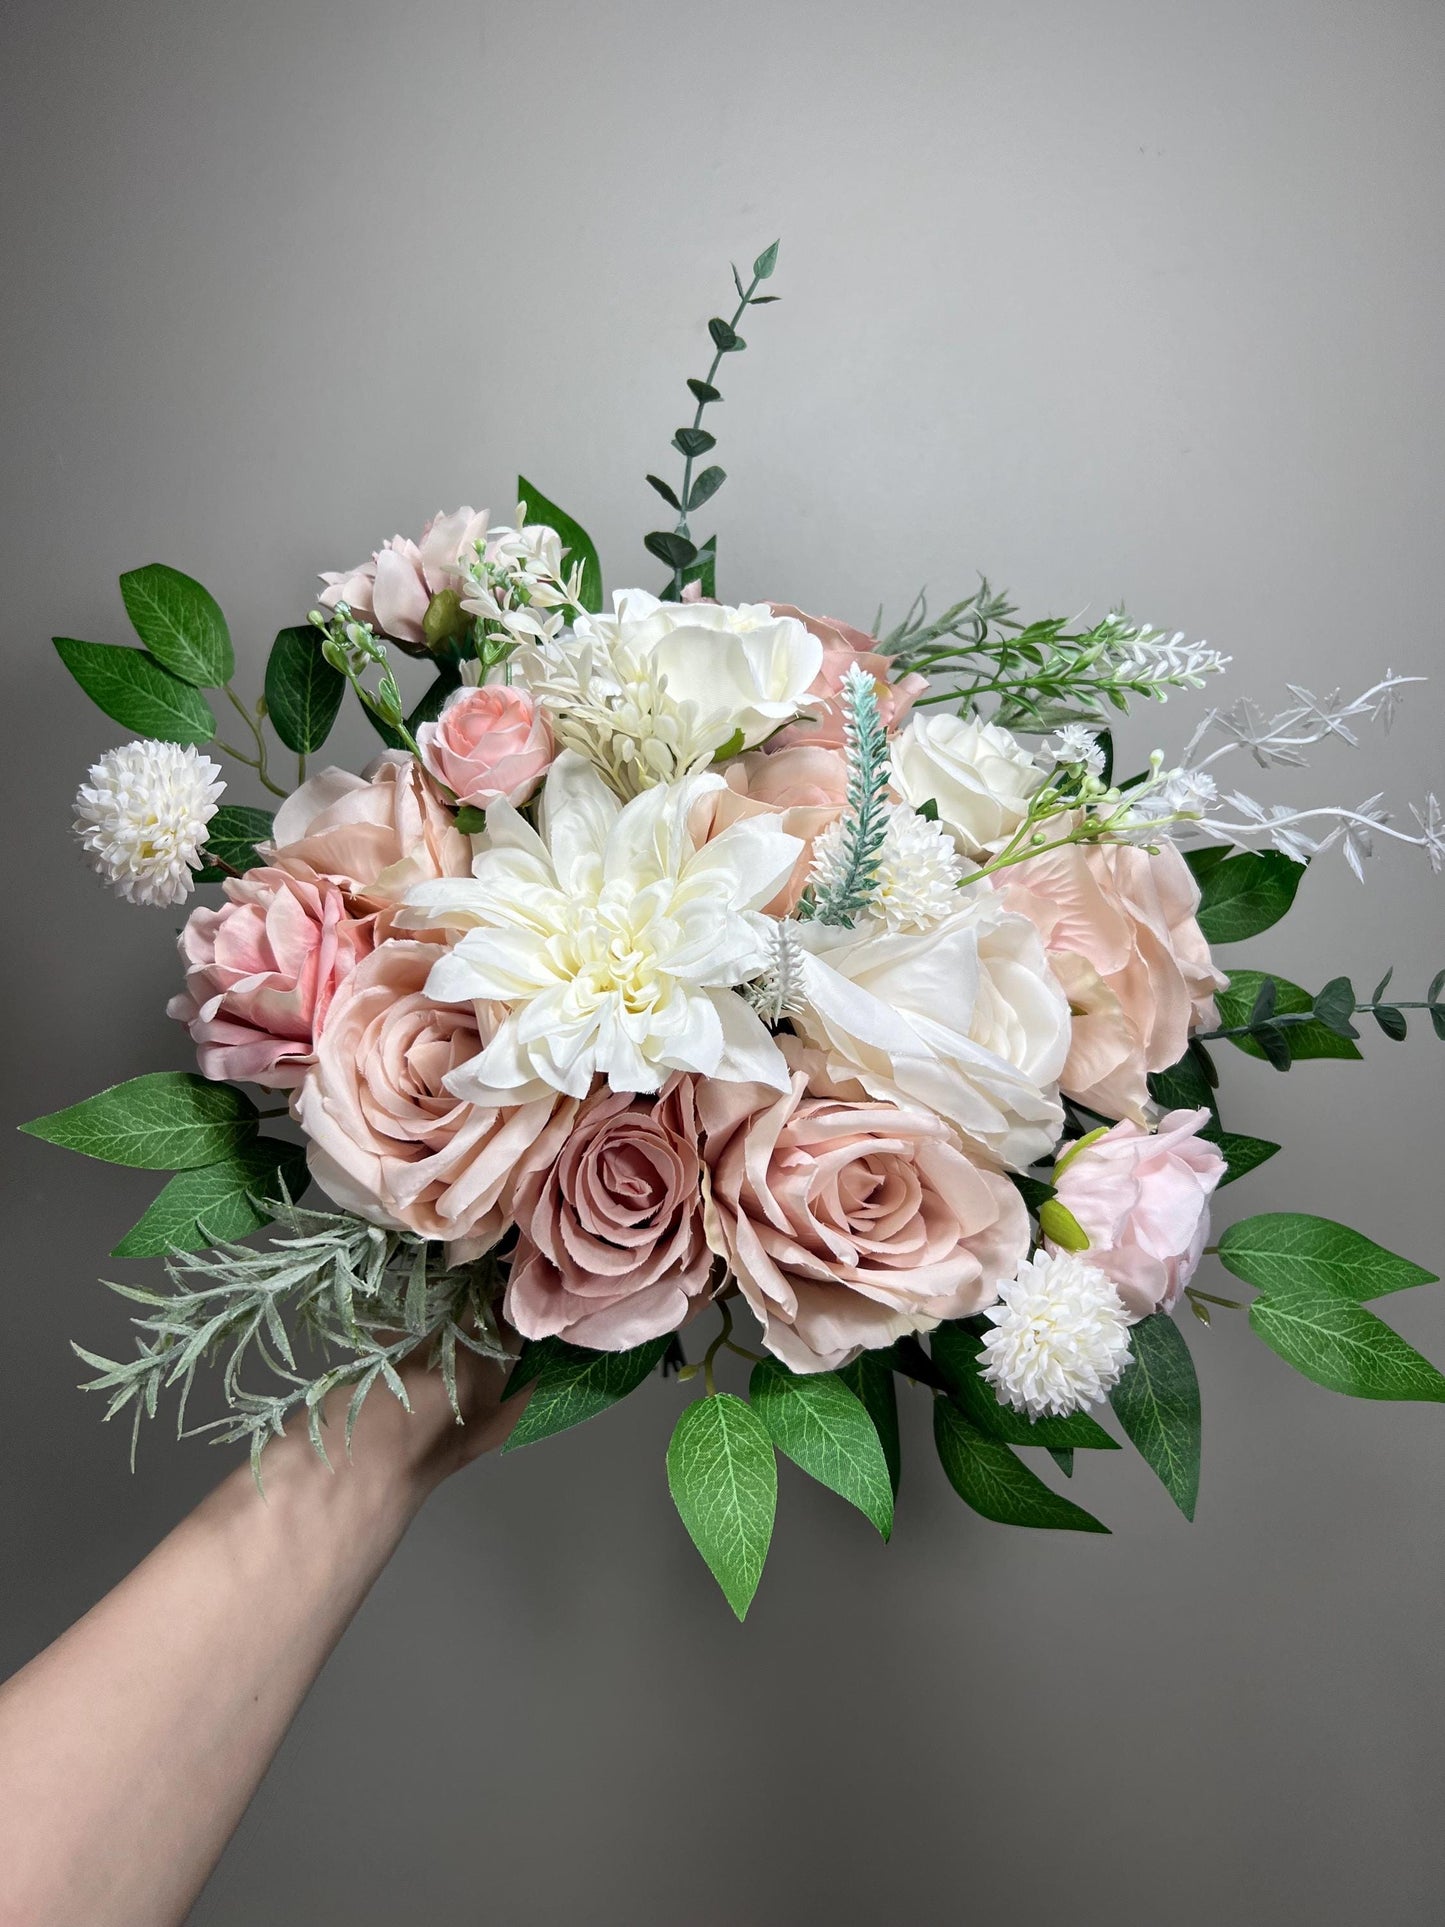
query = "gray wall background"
{"x": 1116, "y": 300}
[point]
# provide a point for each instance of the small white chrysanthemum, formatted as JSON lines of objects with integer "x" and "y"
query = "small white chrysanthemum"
{"x": 918, "y": 872}
{"x": 143, "y": 817}
{"x": 1077, "y": 747}
{"x": 1062, "y": 1337}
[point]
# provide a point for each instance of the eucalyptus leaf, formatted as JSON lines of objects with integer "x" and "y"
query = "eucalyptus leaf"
{"x": 822, "y": 1426}
{"x": 693, "y": 441}
{"x": 705, "y": 486}
{"x": 1308, "y": 1040}
{"x": 666, "y": 491}
{"x": 138, "y": 692}
{"x": 180, "y": 623}
{"x": 675, "y": 550}
{"x": 704, "y": 391}
{"x": 766, "y": 262}
{"x": 723, "y": 1477}
{"x": 163, "y": 1121}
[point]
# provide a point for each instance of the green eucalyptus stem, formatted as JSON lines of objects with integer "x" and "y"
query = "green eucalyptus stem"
{"x": 682, "y": 528}
{"x": 1278, "y": 1020}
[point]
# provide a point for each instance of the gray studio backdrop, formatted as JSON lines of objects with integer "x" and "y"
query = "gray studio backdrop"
{"x": 1110, "y": 300}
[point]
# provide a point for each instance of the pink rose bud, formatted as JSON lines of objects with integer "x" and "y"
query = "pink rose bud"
{"x": 1142, "y": 1199}
{"x": 488, "y": 745}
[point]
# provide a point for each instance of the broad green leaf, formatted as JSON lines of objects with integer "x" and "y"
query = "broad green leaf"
{"x": 1184, "y": 1087}
{"x": 956, "y": 1352}
{"x": 871, "y": 1379}
{"x": 824, "y": 1428}
{"x": 180, "y": 623}
{"x": 1063, "y": 1458}
{"x": 164, "y": 1121}
{"x": 1203, "y": 861}
{"x": 1246, "y": 894}
{"x": 1242, "y": 1154}
{"x": 1305, "y": 1040}
{"x": 1283, "y": 1252}
{"x": 1157, "y": 1403}
{"x": 1344, "y": 1348}
{"x": 986, "y": 1475}
{"x": 574, "y": 1385}
{"x": 137, "y": 692}
{"x": 200, "y": 1208}
{"x": 724, "y": 1482}
{"x": 577, "y": 544}
{"x": 303, "y": 691}
{"x": 232, "y": 836}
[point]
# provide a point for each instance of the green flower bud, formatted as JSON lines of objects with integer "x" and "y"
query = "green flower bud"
{"x": 445, "y": 619}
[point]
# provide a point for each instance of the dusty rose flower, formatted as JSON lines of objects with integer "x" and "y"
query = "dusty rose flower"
{"x": 1143, "y": 1199}
{"x": 1119, "y": 926}
{"x": 387, "y": 1139}
{"x": 375, "y": 836}
{"x": 488, "y": 744}
{"x": 261, "y": 971}
{"x": 804, "y": 787}
{"x": 395, "y": 588}
{"x": 843, "y": 646}
{"x": 848, "y": 1225}
{"x": 612, "y": 1250}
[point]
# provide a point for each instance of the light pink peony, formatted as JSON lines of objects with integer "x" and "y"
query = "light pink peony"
{"x": 848, "y": 1225}
{"x": 395, "y": 588}
{"x": 488, "y": 744}
{"x": 387, "y": 1139}
{"x": 1143, "y": 1199}
{"x": 804, "y": 787}
{"x": 374, "y": 835}
{"x": 261, "y": 972}
{"x": 612, "y": 1250}
{"x": 844, "y": 645}
{"x": 1119, "y": 926}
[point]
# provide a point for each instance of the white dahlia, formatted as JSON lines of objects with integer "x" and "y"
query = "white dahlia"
{"x": 614, "y": 941}
{"x": 1062, "y": 1336}
{"x": 143, "y": 817}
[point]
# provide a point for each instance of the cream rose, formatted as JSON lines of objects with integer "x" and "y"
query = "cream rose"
{"x": 387, "y": 1138}
{"x": 848, "y": 1225}
{"x": 979, "y": 776}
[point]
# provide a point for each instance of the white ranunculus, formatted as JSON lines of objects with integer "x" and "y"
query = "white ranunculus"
{"x": 965, "y": 1017}
{"x": 650, "y": 692}
{"x": 979, "y": 776}
{"x": 614, "y": 942}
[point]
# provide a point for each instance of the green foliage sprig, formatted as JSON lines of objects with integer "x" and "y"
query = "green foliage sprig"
{"x": 847, "y": 882}
{"x": 687, "y": 561}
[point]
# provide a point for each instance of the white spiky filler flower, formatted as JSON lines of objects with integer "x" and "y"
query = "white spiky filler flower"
{"x": 143, "y": 817}
{"x": 1062, "y": 1336}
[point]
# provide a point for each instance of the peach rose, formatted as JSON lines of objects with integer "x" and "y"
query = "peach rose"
{"x": 374, "y": 836}
{"x": 848, "y": 1225}
{"x": 844, "y": 645}
{"x": 387, "y": 1139}
{"x": 395, "y": 589}
{"x": 612, "y": 1250}
{"x": 804, "y": 787}
{"x": 1142, "y": 1197}
{"x": 488, "y": 743}
{"x": 1119, "y": 926}
{"x": 261, "y": 972}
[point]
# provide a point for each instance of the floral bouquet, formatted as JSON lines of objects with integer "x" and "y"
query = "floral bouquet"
{"x": 677, "y": 960}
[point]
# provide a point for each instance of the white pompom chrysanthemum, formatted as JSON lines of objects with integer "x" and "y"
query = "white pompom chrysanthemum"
{"x": 916, "y": 881}
{"x": 1062, "y": 1337}
{"x": 143, "y": 817}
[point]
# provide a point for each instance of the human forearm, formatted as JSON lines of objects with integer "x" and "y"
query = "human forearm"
{"x": 130, "y": 1748}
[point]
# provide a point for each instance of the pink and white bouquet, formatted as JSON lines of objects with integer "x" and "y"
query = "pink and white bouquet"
{"x": 688, "y": 980}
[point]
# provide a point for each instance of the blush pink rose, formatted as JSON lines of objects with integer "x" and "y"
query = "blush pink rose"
{"x": 612, "y": 1251}
{"x": 848, "y": 1225}
{"x": 843, "y": 646}
{"x": 488, "y": 744}
{"x": 261, "y": 972}
{"x": 804, "y": 787}
{"x": 387, "y": 1139}
{"x": 1142, "y": 1197}
{"x": 395, "y": 588}
{"x": 374, "y": 836}
{"x": 1120, "y": 928}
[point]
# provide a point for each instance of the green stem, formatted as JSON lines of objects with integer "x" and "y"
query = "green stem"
{"x": 259, "y": 762}
{"x": 716, "y": 1346}
{"x": 682, "y": 526}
